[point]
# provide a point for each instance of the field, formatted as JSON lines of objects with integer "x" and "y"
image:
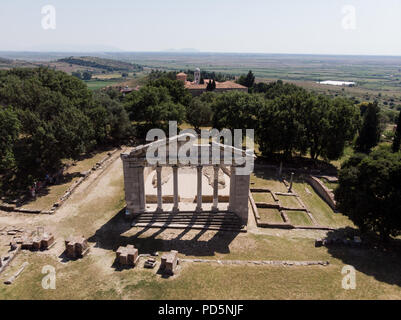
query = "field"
{"x": 95, "y": 211}
{"x": 377, "y": 77}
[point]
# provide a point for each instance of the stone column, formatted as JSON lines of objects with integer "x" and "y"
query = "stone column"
{"x": 241, "y": 196}
{"x": 215, "y": 189}
{"x": 199, "y": 196}
{"x": 231, "y": 205}
{"x": 159, "y": 190}
{"x": 175, "y": 182}
{"x": 134, "y": 186}
{"x": 291, "y": 181}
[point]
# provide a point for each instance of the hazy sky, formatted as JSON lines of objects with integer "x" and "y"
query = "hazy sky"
{"x": 263, "y": 26}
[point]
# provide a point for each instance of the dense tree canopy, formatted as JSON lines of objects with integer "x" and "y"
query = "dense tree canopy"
{"x": 175, "y": 88}
{"x": 369, "y": 192}
{"x": 55, "y": 117}
{"x": 304, "y": 122}
{"x": 236, "y": 110}
{"x": 199, "y": 113}
{"x": 10, "y": 127}
{"x": 153, "y": 105}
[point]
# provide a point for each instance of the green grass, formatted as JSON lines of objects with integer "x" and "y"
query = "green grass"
{"x": 99, "y": 84}
{"x": 263, "y": 197}
{"x": 269, "y": 215}
{"x": 265, "y": 180}
{"x": 319, "y": 208}
{"x": 348, "y": 152}
{"x": 299, "y": 218}
{"x": 289, "y": 202}
{"x": 329, "y": 185}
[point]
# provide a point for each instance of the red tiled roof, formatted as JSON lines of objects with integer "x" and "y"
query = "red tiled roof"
{"x": 219, "y": 85}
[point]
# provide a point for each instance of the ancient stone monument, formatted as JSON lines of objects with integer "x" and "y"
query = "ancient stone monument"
{"x": 209, "y": 157}
{"x": 169, "y": 262}
{"x": 76, "y": 247}
{"x": 127, "y": 256}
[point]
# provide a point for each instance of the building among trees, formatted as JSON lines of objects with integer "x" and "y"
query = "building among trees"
{"x": 197, "y": 87}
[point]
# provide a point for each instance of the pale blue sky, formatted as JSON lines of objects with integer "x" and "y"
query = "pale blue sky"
{"x": 262, "y": 26}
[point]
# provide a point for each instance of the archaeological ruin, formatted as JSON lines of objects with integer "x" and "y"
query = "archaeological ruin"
{"x": 206, "y": 186}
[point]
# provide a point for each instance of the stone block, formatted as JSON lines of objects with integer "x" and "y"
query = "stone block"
{"x": 36, "y": 243}
{"x": 47, "y": 241}
{"x": 76, "y": 247}
{"x": 169, "y": 262}
{"x": 127, "y": 255}
{"x": 27, "y": 244}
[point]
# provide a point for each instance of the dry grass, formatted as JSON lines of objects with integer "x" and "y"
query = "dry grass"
{"x": 270, "y": 215}
{"x": 55, "y": 192}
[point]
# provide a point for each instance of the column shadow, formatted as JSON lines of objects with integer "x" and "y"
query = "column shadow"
{"x": 110, "y": 236}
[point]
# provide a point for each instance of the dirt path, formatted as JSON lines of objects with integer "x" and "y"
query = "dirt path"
{"x": 96, "y": 186}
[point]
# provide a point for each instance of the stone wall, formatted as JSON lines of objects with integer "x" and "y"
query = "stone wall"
{"x": 325, "y": 193}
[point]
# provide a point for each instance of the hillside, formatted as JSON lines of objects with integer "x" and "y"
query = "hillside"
{"x": 102, "y": 63}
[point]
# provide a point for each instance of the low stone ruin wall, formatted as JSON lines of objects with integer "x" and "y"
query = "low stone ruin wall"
{"x": 326, "y": 194}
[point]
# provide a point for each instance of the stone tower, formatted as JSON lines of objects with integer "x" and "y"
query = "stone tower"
{"x": 197, "y": 76}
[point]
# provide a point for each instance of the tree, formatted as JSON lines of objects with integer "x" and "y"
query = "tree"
{"x": 86, "y": 75}
{"x": 236, "y": 110}
{"x": 51, "y": 107}
{"x": 369, "y": 135}
{"x": 369, "y": 192}
{"x": 329, "y": 124}
{"x": 209, "y": 86}
{"x": 397, "y": 137}
{"x": 77, "y": 74}
{"x": 154, "y": 106}
{"x": 199, "y": 114}
{"x": 281, "y": 127}
{"x": 248, "y": 80}
{"x": 10, "y": 127}
{"x": 176, "y": 89}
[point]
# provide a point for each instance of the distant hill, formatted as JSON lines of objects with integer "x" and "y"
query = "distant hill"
{"x": 102, "y": 63}
{"x": 5, "y": 61}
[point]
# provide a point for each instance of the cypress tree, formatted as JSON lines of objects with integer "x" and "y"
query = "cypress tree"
{"x": 209, "y": 86}
{"x": 397, "y": 137}
{"x": 369, "y": 135}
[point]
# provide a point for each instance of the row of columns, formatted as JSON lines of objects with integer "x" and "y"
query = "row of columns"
{"x": 199, "y": 189}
